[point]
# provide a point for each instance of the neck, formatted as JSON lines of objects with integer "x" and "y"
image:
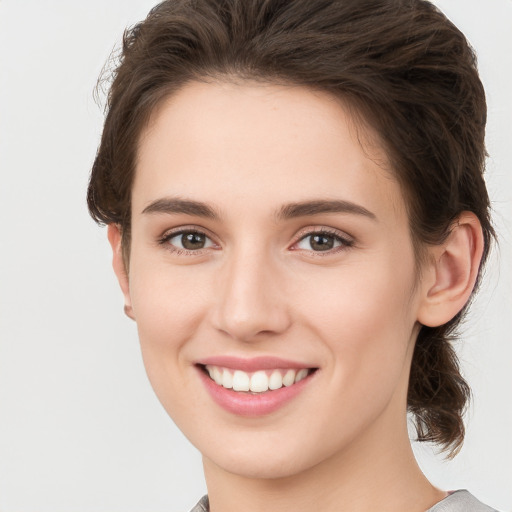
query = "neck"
{"x": 373, "y": 473}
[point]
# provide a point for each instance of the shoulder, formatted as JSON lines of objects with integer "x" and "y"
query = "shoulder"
{"x": 460, "y": 501}
{"x": 202, "y": 506}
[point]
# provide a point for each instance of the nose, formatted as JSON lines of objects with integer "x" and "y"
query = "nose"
{"x": 252, "y": 302}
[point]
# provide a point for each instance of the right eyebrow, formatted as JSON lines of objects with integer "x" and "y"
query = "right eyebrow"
{"x": 319, "y": 206}
{"x": 185, "y": 206}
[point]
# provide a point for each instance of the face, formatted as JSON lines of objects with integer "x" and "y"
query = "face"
{"x": 272, "y": 277}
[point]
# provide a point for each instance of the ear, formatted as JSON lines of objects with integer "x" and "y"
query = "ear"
{"x": 115, "y": 239}
{"x": 450, "y": 275}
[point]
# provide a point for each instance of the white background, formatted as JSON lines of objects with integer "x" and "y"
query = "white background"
{"x": 80, "y": 429}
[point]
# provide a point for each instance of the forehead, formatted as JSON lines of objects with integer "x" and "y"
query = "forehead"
{"x": 260, "y": 143}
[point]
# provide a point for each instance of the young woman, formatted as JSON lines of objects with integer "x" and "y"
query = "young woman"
{"x": 298, "y": 217}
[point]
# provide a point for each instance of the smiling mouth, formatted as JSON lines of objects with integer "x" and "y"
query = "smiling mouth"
{"x": 260, "y": 381}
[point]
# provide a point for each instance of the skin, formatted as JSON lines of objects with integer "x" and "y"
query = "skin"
{"x": 259, "y": 288}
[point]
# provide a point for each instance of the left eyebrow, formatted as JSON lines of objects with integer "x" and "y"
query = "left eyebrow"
{"x": 316, "y": 207}
{"x": 178, "y": 205}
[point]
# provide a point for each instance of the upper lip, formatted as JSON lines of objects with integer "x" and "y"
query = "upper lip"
{"x": 252, "y": 364}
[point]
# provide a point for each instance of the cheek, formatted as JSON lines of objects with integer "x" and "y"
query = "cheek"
{"x": 366, "y": 317}
{"x": 366, "y": 322}
{"x": 166, "y": 299}
{"x": 366, "y": 300}
{"x": 169, "y": 305}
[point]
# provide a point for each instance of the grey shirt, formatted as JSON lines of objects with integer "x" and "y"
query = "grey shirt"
{"x": 458, "y": 501}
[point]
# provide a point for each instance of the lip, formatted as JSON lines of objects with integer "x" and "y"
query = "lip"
{"x": 246, "y": 403}
{"x": 253, "y": 364}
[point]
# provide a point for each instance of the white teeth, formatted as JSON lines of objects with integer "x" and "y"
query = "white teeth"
{"x": 217, "y": 376}
{"x": 240, "y": 381}
{"x": 289, "y": 378}
{"x": 227, "y": 379}
{"x": 259, "y": 382}
{"x": 276, "y": 380}
{"x": 301, "y": 374}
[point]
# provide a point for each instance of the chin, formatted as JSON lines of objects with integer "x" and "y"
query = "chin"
{"x": 264, "y": 459}
{"x": 261, "y": 468}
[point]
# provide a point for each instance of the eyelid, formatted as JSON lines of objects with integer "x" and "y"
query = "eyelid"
{"x": 167, "y": 235}
{"x": 346, "y": 240}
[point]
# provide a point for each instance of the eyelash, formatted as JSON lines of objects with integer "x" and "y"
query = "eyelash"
{"x": 344, "y": 241}
{"x": 165, "y": 239}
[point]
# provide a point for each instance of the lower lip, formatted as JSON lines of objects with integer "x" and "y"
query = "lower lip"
{"x": 252, "y": 404}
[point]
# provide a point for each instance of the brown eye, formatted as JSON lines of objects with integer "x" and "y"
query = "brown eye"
{"x": 193, "y": 241}
{"x": 322, "y": 242}
{"x": 188, "y": 240}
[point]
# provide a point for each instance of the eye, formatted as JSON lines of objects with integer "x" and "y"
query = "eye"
{"x": 322, "y": 241}
{"x": 187, "y": 240}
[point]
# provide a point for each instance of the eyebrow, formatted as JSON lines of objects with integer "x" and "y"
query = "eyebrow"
{"x": 184, "y": 206}
{"x": 176, "y": 205}
{"x": 316, "y": 207}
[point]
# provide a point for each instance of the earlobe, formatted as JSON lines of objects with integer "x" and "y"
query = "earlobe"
{"x": 452, "y": 272}
{"x": 115, "y": 239}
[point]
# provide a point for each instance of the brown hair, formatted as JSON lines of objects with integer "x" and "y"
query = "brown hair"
{"x": 400, "y": 64}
